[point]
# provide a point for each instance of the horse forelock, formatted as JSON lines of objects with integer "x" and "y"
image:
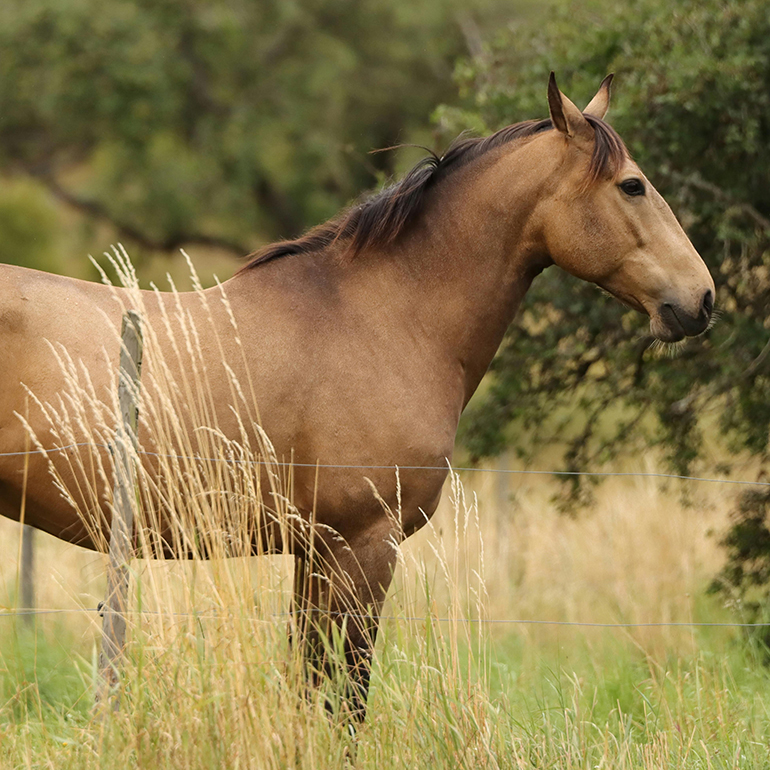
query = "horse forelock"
{"x": 609, "y": 153}
{"x": 383, "y": 217}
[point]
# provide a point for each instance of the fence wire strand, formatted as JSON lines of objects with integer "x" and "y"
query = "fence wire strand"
{"x": 485, "y": 621}
{"x": 403, "y": 618}
{"x": 510, "y": 471}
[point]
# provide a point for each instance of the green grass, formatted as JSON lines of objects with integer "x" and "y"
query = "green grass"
{"x": 436, "y": 702}
{"x": 45, "y": 679}
{"x": 210, "y": 681}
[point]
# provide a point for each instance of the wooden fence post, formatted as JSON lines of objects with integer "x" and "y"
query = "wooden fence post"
{"x": 123, "y": 502}
{"x": 27, "y": 588}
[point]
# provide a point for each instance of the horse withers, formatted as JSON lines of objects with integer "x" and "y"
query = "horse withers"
{"x": 361, "y": 342}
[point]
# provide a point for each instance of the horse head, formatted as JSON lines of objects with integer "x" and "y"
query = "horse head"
{"x": 607, "y": 224}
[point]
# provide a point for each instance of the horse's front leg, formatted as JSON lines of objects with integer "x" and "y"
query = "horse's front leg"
{"x": 338, "y": 595}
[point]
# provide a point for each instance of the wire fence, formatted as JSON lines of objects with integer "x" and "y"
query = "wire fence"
{"x": 509, "y": 471}
{"x": 402, "y": 618}
{"x": 27, "y": 612}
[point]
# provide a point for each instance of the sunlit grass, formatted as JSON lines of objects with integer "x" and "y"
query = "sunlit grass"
{"x": 210, "y": 699}
{"x": 222, "y": 689}
{"x": 210, "y": 679}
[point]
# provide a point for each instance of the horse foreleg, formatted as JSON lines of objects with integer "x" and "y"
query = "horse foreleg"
{"x": 338, "y": 597}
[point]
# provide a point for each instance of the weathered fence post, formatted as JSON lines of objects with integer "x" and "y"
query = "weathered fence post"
{"x": 124, "y": 500}
{"x": 27, "y": 578}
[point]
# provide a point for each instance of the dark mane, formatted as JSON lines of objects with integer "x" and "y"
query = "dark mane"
{"x": 381, "y": 218}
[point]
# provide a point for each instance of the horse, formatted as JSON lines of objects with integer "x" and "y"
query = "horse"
{"x": 362, "y": 341}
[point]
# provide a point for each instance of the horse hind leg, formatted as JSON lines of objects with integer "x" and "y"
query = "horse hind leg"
{"x": 338, "y": 598}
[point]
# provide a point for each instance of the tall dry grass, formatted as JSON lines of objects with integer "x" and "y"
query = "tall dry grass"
{"x": 638, "y": 555}
{"x": 211, "y": 681}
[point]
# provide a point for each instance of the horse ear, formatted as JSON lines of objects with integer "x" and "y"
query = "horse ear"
{"x": 565, "y": 116}
{"x": 600, "y": 103}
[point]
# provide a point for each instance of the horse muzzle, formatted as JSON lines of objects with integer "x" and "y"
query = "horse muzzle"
{"x": 673, "y": 322}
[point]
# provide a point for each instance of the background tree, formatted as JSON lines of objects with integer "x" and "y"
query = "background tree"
{"x": 224, "y": 124}
{"x": 691, "y": 100}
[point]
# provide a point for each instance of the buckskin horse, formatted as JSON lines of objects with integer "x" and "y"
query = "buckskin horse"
{"x": 364, "y": 339}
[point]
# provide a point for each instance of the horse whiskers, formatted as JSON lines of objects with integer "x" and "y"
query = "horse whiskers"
{"x": 662, "y": 349}
{"x": 673, "y": 349}
{"x": 715, "y": 316}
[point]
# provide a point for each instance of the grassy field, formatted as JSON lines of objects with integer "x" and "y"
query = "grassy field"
{"x": 212, "y": 683}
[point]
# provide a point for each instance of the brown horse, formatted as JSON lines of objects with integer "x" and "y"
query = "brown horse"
{"x": 363, "y": 340}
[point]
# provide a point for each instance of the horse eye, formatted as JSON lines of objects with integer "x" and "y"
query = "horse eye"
{"x": 632, "y": 187}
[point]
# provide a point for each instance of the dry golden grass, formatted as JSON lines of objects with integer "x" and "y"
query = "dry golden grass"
{"x": 639, "y": 554}
{"x": 216, "y": 685}
{"x": 210, "y": 680}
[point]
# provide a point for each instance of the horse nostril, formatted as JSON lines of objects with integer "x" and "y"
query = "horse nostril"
{"x": 708, "y": 302}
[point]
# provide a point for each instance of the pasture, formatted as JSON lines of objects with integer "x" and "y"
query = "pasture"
{"x": 211, "y": 681}
{"x": 513, "y": 635}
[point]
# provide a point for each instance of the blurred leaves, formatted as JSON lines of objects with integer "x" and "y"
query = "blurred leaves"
{"x": 744, "y": 581}
{"x": 28, "y": 224}
{"x": 691, "y": 100}
{"x": 228, "y": 123}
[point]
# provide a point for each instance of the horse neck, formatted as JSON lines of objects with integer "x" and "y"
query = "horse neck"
{"x": 451, "y": 284}
{"x": 472, "y": 256}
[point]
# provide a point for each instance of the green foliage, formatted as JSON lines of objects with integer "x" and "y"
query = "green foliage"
{"x": 29, "y": 226}
{"x": 744, "y": 581}
{"x": 692, "y": 100}
{"x": 221, "y": 123}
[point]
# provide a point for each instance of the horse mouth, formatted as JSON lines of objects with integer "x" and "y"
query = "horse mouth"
{"x": 672, "y": 323}
{"x": 625, "y": 299}
{"x": 669, "y": 322}
{"x": 666, "y": 327}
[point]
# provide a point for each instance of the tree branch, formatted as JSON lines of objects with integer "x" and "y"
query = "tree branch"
{"x": 699, "y": 183}
{"x": 127, "y": 230}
